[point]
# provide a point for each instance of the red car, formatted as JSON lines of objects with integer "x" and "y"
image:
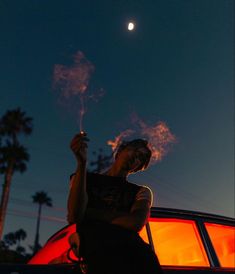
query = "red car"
{"x": 184, "y": 241}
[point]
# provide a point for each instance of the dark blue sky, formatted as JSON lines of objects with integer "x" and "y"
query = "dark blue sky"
{"x": 177, "y": 66}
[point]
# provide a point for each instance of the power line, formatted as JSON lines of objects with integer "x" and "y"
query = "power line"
{"x": 32, "y": 215}
{"x": 28, "y": 203}
{"x": 187, "y": 195}
{"x": 179, "y": 192}
{"x": 27, "y": 186}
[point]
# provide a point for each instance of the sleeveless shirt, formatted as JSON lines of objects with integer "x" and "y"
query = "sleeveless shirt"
{"x": 110, "y": 193}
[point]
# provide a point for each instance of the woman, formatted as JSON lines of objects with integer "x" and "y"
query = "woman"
{"x": 110, "y": 211}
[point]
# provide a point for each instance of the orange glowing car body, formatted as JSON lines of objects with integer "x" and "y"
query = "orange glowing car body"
{"x": 184, "y": 241}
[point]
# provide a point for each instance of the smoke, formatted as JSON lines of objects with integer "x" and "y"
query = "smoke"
{"x": 118, "y": 139}
{"x": 159, "y": 137}
{"x": 73, "y": 81}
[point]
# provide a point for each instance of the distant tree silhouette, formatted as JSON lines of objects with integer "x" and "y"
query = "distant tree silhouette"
{"x": 13, "y": 156}
{"x": 15, "y": 238}
{"x": 9, "y": 239}
{"x": 102, "y": 161}
{"x": 14, "y": 123}
{"x": 20, "y": 236}
{"x": 41, "y": 199}
{"x": 17, "y": 255}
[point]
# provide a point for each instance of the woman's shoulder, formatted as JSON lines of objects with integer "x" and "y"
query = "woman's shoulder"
{"x": 145, "y": 193}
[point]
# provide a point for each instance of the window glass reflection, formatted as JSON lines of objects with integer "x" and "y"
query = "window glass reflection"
{"x": 223, "y": 240}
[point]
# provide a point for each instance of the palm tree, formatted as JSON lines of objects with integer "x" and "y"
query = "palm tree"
{"x": 15, "y": 122}
{"x": 40, "y": 198}
{"x": 13, "y": 156}
{"x": 15, "y": 238}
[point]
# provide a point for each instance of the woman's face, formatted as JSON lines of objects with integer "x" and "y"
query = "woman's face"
{"x": 131, "y": 157}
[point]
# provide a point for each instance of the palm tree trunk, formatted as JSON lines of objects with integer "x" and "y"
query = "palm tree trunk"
{"x": 36, "y": 242}
{"x": 5, "y": 196}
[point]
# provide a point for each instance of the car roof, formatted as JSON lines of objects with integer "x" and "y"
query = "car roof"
{"x": 182, "y": 213}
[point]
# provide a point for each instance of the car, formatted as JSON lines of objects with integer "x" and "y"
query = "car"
{"x": 184, "y": 241}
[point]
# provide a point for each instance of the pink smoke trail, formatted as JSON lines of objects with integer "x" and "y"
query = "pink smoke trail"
{"x": 73, "y": 81}
{"x": 159, "y": 136}
{"x": 118, "y": 139}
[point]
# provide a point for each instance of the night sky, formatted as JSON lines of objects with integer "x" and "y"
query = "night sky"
{"x": 177, "y": 66}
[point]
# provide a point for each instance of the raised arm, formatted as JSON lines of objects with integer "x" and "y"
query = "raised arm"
{"x": 77, "y": 199}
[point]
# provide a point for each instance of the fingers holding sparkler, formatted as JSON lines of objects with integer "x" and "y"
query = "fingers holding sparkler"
{"x": 79, "y": 147}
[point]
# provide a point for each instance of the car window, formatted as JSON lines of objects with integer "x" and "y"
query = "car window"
{"x": 223, "y": 240}
{"x": 177, "y": 242}
{"x": 143, "y": 234}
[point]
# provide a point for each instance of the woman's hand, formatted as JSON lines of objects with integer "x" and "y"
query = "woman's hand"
{"x": 79, "y": 147}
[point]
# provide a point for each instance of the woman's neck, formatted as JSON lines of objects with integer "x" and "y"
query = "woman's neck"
{"x": 115, "y": 171}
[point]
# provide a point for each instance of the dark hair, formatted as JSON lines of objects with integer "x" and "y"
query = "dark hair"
{"x": 136, "y": 143}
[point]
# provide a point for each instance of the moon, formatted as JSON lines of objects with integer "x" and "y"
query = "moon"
{"x": 131, "y": 26}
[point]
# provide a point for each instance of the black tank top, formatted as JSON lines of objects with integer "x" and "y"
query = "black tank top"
{"x": 110, "y": 193}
